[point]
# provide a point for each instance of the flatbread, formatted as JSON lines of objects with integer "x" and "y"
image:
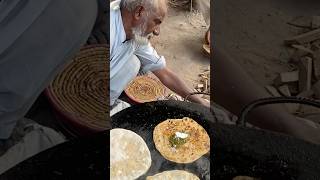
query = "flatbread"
{"x": 145, "y": 89}
{"x": 173, "y": 175}
{"x": 196, "y": 144}
{"x": 244, "y": 178}
{"x": 129, "y": 155}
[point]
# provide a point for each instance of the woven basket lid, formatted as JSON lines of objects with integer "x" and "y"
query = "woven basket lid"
{"x": 145, "y": 89}
{"x": 79, "y": 92}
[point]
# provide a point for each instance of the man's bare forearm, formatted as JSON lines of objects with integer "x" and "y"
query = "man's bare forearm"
{"x": 176, "y": 84}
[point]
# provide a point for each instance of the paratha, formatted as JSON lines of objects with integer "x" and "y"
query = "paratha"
{"x": 129, "y": 155}
{"x": 181, "y": 140}
{"x": 145, "y": 89}
{"x": 173, "y": 175}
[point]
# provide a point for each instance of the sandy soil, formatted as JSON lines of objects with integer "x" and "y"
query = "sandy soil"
{"x": 180, "y": 42}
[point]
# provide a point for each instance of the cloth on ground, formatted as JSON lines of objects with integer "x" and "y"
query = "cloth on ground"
{"x": 27, "y": 140}
{"x": 118, "y": 106}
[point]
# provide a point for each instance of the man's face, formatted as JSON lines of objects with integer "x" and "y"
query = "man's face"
{"x": 153, "y": 23}
{"x": 148, "y": 25}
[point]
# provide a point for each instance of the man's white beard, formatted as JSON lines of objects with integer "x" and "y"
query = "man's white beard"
{"x": 139, "y": 38}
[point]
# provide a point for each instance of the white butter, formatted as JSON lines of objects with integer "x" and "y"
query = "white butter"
{"x": 181, "y": 135}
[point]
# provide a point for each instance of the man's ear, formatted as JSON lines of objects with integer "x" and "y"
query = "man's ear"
{"x": 139, "y": 12}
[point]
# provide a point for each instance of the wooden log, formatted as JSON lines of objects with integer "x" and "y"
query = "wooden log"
{"x": 305, "y": 74}
{"x": 273, "y": 91}
{"x": 315, "y": 22}
{"x": 316, "y": 64}
{"x": 302, "y": 48}
{"x": 315, "y": 45}
{"x": 316, "y": 89}
{"x": 284, "y": 90}
{"x": 200, "y": 86}
{"x": 286, "y": 77}
{"x": 206, "y": 85}
{"x": 304, "y": 38}
{"x": 301, "y": 22}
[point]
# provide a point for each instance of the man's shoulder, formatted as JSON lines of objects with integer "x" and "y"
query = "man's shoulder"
{"x": 114, "y": 12}
{"x": 115, "y": 6}
{"x": 114, "y": 19}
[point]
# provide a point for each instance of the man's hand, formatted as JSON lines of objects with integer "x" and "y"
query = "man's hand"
{"x": 177, "y": 85}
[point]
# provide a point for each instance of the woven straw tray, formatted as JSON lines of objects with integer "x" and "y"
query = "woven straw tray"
{"x": 79, "y": 93}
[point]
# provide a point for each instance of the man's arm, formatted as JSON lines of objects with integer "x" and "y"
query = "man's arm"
{"x": 177, "y": 85}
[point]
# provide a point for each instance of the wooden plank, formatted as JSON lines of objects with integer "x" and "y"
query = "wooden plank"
{"x": 316, "y": 64}
{"x": 302, "y": 48}
{"x": 200, "y": 86}
{"x": 305, "y": 74}
{"x": 284, "y": 90}
{"x": 273, "y": 91}
{"x": 315, "y": 23}
{"x": 316, "y": 89}
{"x": 206, "y": 85}
{"x": 301, "y": 51}
{"x": 287, "y": 77}
{"x": 304, "y": 38}
{"x": 301, "y": 21}
{"x": 315, "y": 45}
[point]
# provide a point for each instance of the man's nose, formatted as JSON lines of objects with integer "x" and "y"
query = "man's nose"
{"x": 156, "y": 32}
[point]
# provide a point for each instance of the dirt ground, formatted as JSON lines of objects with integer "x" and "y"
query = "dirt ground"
{"x": 253, "y": 32}
{"x": 180, "y": 42}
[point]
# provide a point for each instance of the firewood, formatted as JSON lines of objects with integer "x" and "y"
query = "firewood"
{"x": 305, "y": 74}
{"x": 286, "y": 77}
{"x": 304, "y": 38}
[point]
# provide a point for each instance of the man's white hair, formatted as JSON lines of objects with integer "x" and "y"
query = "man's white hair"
{"x": 131, "y": 5}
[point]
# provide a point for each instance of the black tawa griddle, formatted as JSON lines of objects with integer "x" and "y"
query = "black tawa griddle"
{"x": 143, "y": 118}
{"x": 235, "y": 150}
